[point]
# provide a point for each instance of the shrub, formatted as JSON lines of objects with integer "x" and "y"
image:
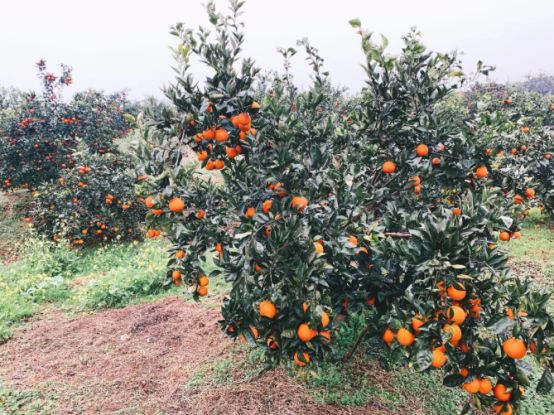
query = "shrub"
{"x": 93, "y": 203}
{"x": 388, "y": 211}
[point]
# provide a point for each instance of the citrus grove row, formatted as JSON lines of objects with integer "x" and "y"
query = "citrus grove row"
{"x": 394, "y": 205}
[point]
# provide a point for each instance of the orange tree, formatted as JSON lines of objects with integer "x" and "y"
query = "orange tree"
{"x": 92, "y": 203}
{"x": 317, "y": 214}
{"x": 40, "y": 133}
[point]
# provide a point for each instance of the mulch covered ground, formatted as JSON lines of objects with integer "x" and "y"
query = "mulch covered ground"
{"x": 138, "y": 360}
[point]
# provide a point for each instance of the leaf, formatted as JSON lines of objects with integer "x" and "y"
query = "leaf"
{"x": 508, "y": 222}
{"x": 453, "y": 380}
{"x": 424, "y": 359}
{"x": 546, "y": 382}
{"x": 502, "y": 325}
{"x": 355, "y": 23}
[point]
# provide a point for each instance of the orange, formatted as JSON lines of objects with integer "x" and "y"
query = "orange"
{"x": 529, "y": 193}
{"x": 488, "y": 152}
{"x": 176, "y": 205}
{"x": 516, "y": 235}
{"x": 416, "y": 180}
{"x": 221, "y": 135}
{"x": 255, "y": 105}
{"x": 219, "y": 248}
{"x": 231, "y": 152}
{"x": 515, "y": 348}
{"x": 203, "y": 281}
{"x": 525, "y": 130}
{"x": 202, "y": 155}
{"x": 472, "y": 386}
{"x": 518, "y": 199}
{"x": 208, "y": 134}
{"x": 436, "y": 161}
{"x": 219, "y": 164}
{"x": 514, "y": 151}
{"x": 481, "y": 172}
{"x": 455, "y": 331}
{"x": 485, "y": 386}
{"x": 388, "y": 167}
{"x": 370, "y": 301}
{"x": 258, "y": 268}
{"x": 503, "y": 409}
{"x": 457, "y": 294}
{"x": 249, "y": 213}
{"x": 200, "y": 214}
{"x": 150, "y": 202}
{"x": 464, "y": 372}
{"x": 157, "y": 212}
{"x": 271, "y": 343}
{"x": 210, "y": 165}
{"x": 353, "y": 240}
{"x": 324, "y": 319}
{"x": 439, "y": 358}
{"x": 388, "y": 336}
{"x": 504, "y": 236}
{"x": 305, "y": 359}
{"x": 318, "y": 247}
{"x": 501, "y": 393}
{"x": 326, "y": 334}
{"x": 267, "y": 309}
{"x": 456, "y": 211}
{"x": 416, "y": 324}
{"x": 422, "y": 150}
{"x": 299, "y": 202}
{"x": 456, "y": 314}
{"x": 405, "y": 337}
{"x": 305, "y": 333}
{"x": 523, "y": 147}
{"x": 202, "y": 291}
{"x": 180, "y": 254}
{"x": 266, "y": 205}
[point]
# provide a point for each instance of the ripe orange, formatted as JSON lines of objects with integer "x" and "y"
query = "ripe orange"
{"x": 150, "y": 202}
{"x": 504, "y": 236}
{"x": 267, "y": 309}
{"x": 324, "y": 319}
{"x": 456, "y": 211}
{"x": 305, "y": 333}
{"x": 202, "y": 155}
{"x": 255, "y": 332}
{"x": 416, "y": 180}
{"x": 515, "y": 348}
{"x": 518, "y": 199}
{"x": 231, "y": 152}
{"x": 203, "y": 280}
{"x": 208, "y": 134}
{"x": 481, "y": 172}
{"x": 299, "y": 202}
{"x": 405, "y": 337}
{"x": 200, "y": 214}
{"x": 318, "y": 247}
{"x": 388, "y": 336}
{"x": 514, "y": 151}
{"x": 503, "y": 409}
{"x": 210, "y": 165}
{"x": 439, "y": 358}
{"x": 457, "y": 294}
{"x": 416, "y": 324}
{"x": 353, "y": 240}
{"x": 388, "y": 167}
{"x": 266, "y": 205}
{"x": 501, "y": 393}
{"x": 456, "y": 314}
{"x": 472, "y": 386}
{"x": 371, "y": 301}
{"x": 436, "y": 161}
{"x": 516, "y": 235}
{"x": 176, "y": 205}
{"x": 180, "y": 254}
{"x": 243, "y": 118}
{"x": 202, "y": 291}
{"x": 455, "y": 332}
{"x": 525, "y": 130}
{"x": 488, "y": 152}
{"x": 255, "y": 105}
{"x": 422, "y": 150}
{"x": 485, "y": 386}
{"x": 272, "y": 343}
{"x": 530, "y": 193}
{"x": 305, "y": 359}
{"x": 176, "y": 275}
{"x": 464, "y": 372}
{"x": 249, "y": 213}
{"x": 221, "y": 135}
{"x": 326, "y": 334}
{"x": 157, "y": 212}
{"x": 219, "y": 164}
{"x": 258, "y": 267}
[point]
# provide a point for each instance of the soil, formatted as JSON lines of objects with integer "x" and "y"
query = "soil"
{"x": 139, "y": 360}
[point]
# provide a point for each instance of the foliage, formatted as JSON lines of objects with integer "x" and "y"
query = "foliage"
{"x": 388, "y": 205}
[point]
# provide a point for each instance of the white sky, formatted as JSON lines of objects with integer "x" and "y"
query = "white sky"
{"x": 123, "y": 44}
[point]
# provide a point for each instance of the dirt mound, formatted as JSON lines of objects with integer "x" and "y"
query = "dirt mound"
{"x": 134, "y": 360}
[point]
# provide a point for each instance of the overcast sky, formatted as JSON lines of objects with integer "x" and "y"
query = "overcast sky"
{"x": 123, "y": 44}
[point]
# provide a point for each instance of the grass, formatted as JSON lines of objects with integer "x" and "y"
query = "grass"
{"x": 25, "y": 402}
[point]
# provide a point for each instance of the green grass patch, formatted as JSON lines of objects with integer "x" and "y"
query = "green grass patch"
{"x": 25, "y": 402}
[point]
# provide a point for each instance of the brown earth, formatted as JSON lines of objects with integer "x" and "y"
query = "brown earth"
{"x": 139, "y": 360}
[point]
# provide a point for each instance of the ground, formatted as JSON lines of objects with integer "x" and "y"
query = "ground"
{"x": 96, "y": 333}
